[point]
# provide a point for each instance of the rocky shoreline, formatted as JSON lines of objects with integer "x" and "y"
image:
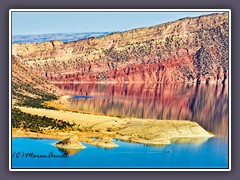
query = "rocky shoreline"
{"x": 99, "y": 130}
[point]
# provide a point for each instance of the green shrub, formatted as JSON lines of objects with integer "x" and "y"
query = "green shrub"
{"x": 35, "y": 123}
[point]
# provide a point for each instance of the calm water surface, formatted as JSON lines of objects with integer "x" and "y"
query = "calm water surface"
{"x": 205, "y": 104}
{"x": 211, "y": 153}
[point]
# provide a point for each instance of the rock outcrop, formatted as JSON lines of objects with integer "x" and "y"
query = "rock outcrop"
{"x": 190, "y": 50}
{"x": 70, "y": 143}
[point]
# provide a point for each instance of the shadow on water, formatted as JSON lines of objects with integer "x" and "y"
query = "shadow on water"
{"x": 70, "y": 152}
{"x": 198, "y": 141}
{"x": 205, "y": 104}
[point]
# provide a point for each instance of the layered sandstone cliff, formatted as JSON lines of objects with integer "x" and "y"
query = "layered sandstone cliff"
{"x": 190, "y": 50}
{"x": 27, "y": 88}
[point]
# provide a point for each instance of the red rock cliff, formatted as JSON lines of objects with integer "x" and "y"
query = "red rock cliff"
{"x": 190, "y": 50}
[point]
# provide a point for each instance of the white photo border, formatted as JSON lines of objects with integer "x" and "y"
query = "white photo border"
{"x": 117, "y": 169}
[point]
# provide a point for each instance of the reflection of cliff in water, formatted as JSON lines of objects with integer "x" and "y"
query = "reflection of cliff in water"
{"x": 205, "y": 104}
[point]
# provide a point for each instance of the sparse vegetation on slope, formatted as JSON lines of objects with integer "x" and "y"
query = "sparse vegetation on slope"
{"x": 166, "y": 53}
{"x": 28, "y": 89}
{"x": 35, "y": 123}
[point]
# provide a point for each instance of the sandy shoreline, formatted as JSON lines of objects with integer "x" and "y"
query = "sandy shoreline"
{"x": 99, "y": 130}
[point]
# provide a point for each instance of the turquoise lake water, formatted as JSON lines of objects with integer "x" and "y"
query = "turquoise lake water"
{"x": 212, "y": 153}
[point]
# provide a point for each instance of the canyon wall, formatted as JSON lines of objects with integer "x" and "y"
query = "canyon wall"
{"x": 27, "y": 88}
{"x": 189, "y": 50}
